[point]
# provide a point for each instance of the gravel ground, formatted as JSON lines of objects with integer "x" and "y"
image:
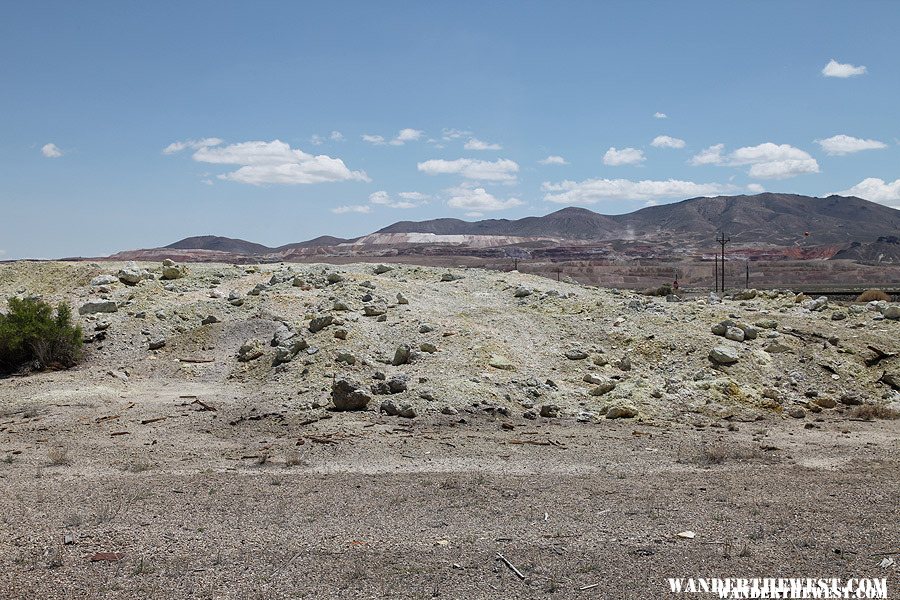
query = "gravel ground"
{"x": 229, "y": 479}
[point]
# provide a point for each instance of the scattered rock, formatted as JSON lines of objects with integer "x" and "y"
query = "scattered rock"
{"x": 428, "y": 347}
{"x": 172, "y": 270}
{"x": 398, "y": 409}
{"x": 522, "y": 292}
{"x": 426, "y": 328}
{"x": 209, "y": 320}
{"x": 157, "y": 343}
{"x": 401, "y": 299}
{"x": 103, "y": 280}
{"x": 334, "y": 278}
{"x": 319, "y": 323}
{"x": 623, "y": 411}
{"x": 131, "y": 274}
{"x": 499, "y": 362}
{"x": 748, "y": 294}
{"x": 251, "y": 350}
{"x": 551, "y": 411}
{"x": 90, "y": 308}
{"x": 380, "y": 269}
{"x": 724, "y": 355}
{"x": 576, "y": 354}
{"x": 796, "y": 412}
{"x": 349, "y": 395}
{"x": 734, "y": 333}
{"x": 401, "y": 355}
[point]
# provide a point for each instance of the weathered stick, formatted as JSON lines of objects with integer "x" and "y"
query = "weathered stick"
{"x": 510, "y": 565}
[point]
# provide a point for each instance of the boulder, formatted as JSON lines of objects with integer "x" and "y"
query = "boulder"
{"x": 131, "y": 274}
{"x": 319, "y": 323}
{"x": 522, "y": 292}
{"x": 90, "y": 308}
{"x": 892, "y": 312}
{"x": 748, "y": 294}
{"x": 349, "y": 395}
{"x": 623, "y": 411}
{"x": 401, "y": 355}
{"x": 382, "y": 269}
{"x": 724, "y": 355}
{"x": 157, "y": 343}
{"x": 172, "y": 270}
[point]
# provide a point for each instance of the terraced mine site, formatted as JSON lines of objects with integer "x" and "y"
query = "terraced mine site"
{"x": 392, "y": 431}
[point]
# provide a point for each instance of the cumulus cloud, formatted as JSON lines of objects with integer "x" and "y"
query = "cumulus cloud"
{"x": 842, "y": 70}
{"x": 51, "y": 150}
{"x": 336, "y": 136}
{"x": 876, "y": 190}
{"x": 755, "y": 188}
{"x": 478, "y": 200}
{"x": 838, "y": 145}
{"x": 409, "y": 199}
{"x": 373, "y": 139}
{"x": 175, "y": 147}
{"x": 592, "y": 191}
{"x": 660, "y": 115}
{"x": 476, "y": 144}
{"x": 553, "y": 160}
{"x": 665, "y": 141}
{"x": 766, "y": 161}
{"x": 316, "y": 140}
{"x": 498, "y": 170}
{"x": 407, "y": 135}
{"x": 269, "y": 162}
{"x": 352, "y": 208}
{"x": 625, "y": 156}
{"x": 709, "y": 156}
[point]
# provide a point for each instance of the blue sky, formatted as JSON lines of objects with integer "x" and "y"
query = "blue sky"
{"x": 126, "y": 125}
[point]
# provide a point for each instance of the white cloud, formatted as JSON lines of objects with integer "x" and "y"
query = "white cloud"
{"x": 410, "y": 199}
{"x": 876, "y": 190}
{"x": 767, "y": 161}
{"x": 407, "y": 135}
{"x": 659, "y": 115}
{"x": 51, "y": 150}
{"x": 709, "y": 156}
{"x": 774, "y": 161}
{"x": 454, "y": 134}
{"x": 755, "y": 188}
{"x": 838, "y": 145}
{"x": 353, "y": 208}
{"x": 498, "y": 170}
{"x": 478, "y": 200}
{"x": 403, "y": 136}
{"x": 842, "y": 70}
{"x": 316, "y": 140}
{"x": 553, "y": 160}
{"x": 625, "y": 156}
{"x": 474, "y": 214}
{"x": 336, "y": 136}
{"x": 191, "y": 145}
{"x": 665, "y": 141}
{"x": 270, "y": 162}
{"x": 476, "y": 144}
{"x": 414, "y": 196}
{"x": 592, "y": 191}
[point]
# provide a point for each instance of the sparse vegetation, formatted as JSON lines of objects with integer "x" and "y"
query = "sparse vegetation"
{"x": 58, "y": 455}
{"x": 33, "y": 333}
{"x": 873, "y": 294}
{"x": 870, "y": 412}
{"x": 663, "y": 290}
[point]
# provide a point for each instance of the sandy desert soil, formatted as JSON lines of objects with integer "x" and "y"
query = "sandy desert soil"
{"x": 211, "y": 477}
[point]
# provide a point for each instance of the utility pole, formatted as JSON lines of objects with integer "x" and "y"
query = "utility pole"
{"x": 747, "y": 276}
{"x": 558, "y": 272}
{"x": 722, "y": 240}
{"x": 515, "y": 264}
{"x": 716, "y": 272}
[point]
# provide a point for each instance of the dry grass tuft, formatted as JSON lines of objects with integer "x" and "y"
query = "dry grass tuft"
{"x": 870, "y": 412}
{"x": 716, "y": 453}
{"x": 873, "y": 294}
{"x": 58, "y": 455}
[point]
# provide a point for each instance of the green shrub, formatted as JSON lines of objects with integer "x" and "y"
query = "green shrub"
{"x": 32, "y": 333}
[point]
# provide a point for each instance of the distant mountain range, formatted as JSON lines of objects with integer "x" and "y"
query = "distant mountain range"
{"x": 844, "y": 227}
